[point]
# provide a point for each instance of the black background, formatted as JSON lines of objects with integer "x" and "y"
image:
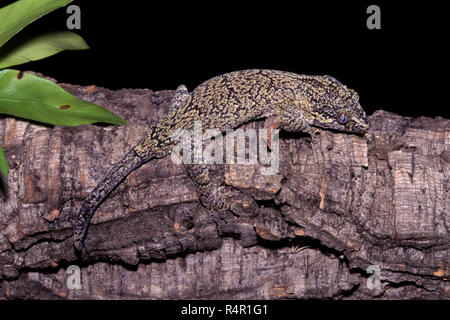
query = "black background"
{"x": 141, "y": 44}
{"x": 276, "y": 309}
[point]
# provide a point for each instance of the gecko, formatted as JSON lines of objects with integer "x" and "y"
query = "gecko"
{"x": 300, "y": 103}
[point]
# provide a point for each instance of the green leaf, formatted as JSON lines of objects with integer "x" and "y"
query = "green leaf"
{"x": 28, "y": 96}
{"x": 4, "y": 168}
{"x": 19, "y": 14}
{"x": 21, "y": 50}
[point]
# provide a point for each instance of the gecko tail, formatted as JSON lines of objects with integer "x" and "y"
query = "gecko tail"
{"x": 119, "y": 172}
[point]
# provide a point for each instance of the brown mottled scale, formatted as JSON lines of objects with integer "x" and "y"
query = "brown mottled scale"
{"x": 229, "y": 100}
{"x": 300, "y": 102}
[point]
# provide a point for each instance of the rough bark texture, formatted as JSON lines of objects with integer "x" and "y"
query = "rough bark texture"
{"x": 309, "y": 231}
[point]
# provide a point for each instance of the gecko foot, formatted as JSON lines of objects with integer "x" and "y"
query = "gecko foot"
{"x": 216, "y": 198}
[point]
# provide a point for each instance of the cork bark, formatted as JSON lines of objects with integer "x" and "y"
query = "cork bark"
{"x": 310, "y": 231}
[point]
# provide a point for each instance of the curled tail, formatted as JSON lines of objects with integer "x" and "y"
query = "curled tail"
{"x": 119, "y": 172}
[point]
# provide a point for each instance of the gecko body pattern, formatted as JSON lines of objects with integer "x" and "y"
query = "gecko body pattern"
{"x": 299, "y": 102}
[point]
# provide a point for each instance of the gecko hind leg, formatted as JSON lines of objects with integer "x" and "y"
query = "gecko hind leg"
{"x": 179, "y": 97}
{"x": 213, "y": 196}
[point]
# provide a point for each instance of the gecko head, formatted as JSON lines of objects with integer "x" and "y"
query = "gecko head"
{"x": 329, "y": 104}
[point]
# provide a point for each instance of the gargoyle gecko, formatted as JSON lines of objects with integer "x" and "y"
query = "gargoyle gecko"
{"x": 298, "y": 102}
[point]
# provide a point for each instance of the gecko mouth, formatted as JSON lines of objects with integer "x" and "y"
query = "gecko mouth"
{"x": 359, "y": 130}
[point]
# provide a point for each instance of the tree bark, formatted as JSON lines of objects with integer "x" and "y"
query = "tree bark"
{"x": 310, "y": 231}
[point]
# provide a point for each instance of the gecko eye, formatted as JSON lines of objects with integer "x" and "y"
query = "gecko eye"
{"x": 343, "y": 119}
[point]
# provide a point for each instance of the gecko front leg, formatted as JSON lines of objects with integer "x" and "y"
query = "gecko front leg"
{"x": 293, "y": 120}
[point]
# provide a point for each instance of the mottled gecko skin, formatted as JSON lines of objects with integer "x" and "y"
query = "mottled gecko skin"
{"x": 302, "y": 103}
